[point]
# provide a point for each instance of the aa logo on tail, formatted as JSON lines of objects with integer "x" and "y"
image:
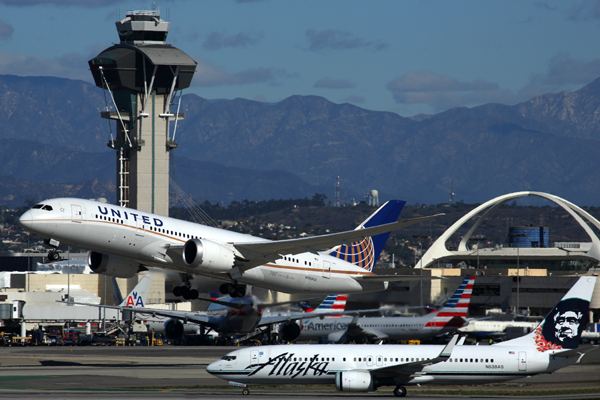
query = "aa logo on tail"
{"x": 133, "y": 300}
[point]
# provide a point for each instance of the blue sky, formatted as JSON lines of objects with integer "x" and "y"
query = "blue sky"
{"x": 408, "y": 57}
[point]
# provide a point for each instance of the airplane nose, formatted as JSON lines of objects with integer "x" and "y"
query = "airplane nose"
{"x": 26, "y": 220}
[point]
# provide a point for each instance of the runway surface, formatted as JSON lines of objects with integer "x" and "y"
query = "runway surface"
{"x": 179, "y": 372}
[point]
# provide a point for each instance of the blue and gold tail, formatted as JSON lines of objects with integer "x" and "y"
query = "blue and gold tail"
{"x": 365, "y": 253}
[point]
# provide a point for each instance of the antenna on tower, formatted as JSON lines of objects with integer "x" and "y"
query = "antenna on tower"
{"x": 337, "y": 192}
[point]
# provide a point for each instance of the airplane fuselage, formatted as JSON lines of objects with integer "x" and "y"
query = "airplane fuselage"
{"x": 153, "y": 240}
{"x": 394, "y": 328}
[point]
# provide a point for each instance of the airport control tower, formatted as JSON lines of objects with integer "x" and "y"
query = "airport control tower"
{"x": 143, "y": 76}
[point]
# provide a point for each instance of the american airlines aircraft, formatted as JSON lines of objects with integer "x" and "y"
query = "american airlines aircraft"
{"x": 363, "y": 368}
{"x": 124, "y": 242}
{"x": 346, "y": 328}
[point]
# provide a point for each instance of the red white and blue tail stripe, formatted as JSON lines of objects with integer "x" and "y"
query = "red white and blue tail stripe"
{"x": 454, "y": 312}
{"x": 333, "y": 302}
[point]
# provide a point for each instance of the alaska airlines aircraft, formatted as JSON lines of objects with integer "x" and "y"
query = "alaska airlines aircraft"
{"x": 124, "y": 242}
{"x": 362, "y": 368}
{"x": 339, "y": 329}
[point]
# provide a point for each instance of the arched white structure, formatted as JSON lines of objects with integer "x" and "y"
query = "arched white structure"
{"x": 438, "y": 250}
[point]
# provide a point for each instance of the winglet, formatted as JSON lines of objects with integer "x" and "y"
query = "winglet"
{"x": 445, "y": 354}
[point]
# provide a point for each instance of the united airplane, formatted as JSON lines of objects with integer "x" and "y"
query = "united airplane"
{"x": 346, "y": 328}
{"x": 124, "y": 242}
{"x": 363, "y": 368}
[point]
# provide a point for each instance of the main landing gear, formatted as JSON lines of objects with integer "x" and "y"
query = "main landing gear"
{"x": 185, "y": 290}
{"x": 400, "y": 391}
{"x": 233, "y": 289}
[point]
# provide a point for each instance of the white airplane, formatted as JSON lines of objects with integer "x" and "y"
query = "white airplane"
{"x": 124, "y": 242}
{"x": 346, "y": 328}
{"x": 363, "y": 368}
{"x": 482, "y": 328}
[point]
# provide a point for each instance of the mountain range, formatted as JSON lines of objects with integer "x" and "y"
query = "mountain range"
{"x": 243, "y": 149}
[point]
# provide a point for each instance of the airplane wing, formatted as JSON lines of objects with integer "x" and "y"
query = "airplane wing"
{"x": 393, "y": 278}
{"x": 404, "y": 372}
{"x": 256, "y": 253}
{"x": 184, "y": 316}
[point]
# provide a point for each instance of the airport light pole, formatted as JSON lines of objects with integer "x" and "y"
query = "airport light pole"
{"x": 421, "y": 237}
{"x": 517, "y": 235}
{"x": 478, "y": 239}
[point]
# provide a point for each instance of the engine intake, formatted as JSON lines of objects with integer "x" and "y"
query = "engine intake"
{"x": 354, "y": 381}
{"x": 207, "y": 255}
{"x": 173, "y": 329}
{"x": 288, "y": 332}
{"x": 118, "y": 267}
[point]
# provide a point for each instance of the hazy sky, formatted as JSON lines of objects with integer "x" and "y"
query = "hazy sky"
{"x": 408, "y": 57}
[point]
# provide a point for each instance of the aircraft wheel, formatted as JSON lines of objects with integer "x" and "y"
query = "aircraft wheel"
{"x": 185, "y": 293}
{"x": 194, "y": 294}
{"x": 400, "y": 391}
{"x": 177, "y": 291}
{"x": 231, "y": 290}
{"x": 53, "y": 255}
{"x": 224, "y": 288}
{"x": 245, "y": 391}
{"x": 240, "y": 291}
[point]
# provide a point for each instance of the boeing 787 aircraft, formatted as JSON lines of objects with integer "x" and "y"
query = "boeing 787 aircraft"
{"x": 364, "y": 368}
{"x": 124, "y": 242}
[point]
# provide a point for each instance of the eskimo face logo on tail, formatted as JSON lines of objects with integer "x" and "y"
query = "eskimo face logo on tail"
{"x": 360, "y": 253}
{"x": 562, "y": 328}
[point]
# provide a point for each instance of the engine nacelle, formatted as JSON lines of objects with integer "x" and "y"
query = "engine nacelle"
{"x": 354, "y": 381}
{"x": 118, "y": 267}
{"x": 207, "y": 255}
{"x": 173, "y": 329}
{"x": 288, "y": 332}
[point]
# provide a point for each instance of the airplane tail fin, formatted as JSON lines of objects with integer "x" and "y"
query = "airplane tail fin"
{"x": 117, "y": 296}
{"x": 454, "y": 312}
{"x": 137, "y": 297}
{"x": 562, "y": 327}
{"x": 333, "y": 302}
{"x": 365, "y": 253}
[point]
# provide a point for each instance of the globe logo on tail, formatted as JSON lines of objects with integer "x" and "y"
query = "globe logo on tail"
{"x": 360, "y": 253}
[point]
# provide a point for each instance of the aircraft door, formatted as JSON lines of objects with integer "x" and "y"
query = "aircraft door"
{"x": 379, "y": 361}
{"x": 76, "y": 213}
{"x": 369, "y": 361}
{"x": 254, "y": 357}
{"x": 522, "y": 361}
{"x": 139, "y": 227}
{"x": 326, "y": 269}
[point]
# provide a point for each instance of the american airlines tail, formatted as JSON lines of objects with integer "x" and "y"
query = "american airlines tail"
{"x": 562, "y": 327}
{"x": 454, "y": 312}
{"x": 365, "y": 253}
{"x": 137, "y": 297}
{"x": 331, "y": 303}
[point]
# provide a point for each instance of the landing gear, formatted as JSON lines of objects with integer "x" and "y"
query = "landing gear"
{"x": 53, "y": 255}
{"x": 233, "y": 289}
{"x": 400, "y": 391}
{"x": 185, "y": 290}
{"x": 245, "y": 391}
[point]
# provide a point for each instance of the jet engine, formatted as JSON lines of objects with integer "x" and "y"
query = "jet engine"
{"x": 354, "y": 381}
{"x": 173, "y": 329}
{"x": 207, "y": 255}
{"x": 118, "y": 267}
{"x": 289, "y": 331}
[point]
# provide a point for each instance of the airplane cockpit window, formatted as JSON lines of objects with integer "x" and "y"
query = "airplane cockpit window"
{"x": 45, "y": 207}
{"x": 228, "y": 358}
